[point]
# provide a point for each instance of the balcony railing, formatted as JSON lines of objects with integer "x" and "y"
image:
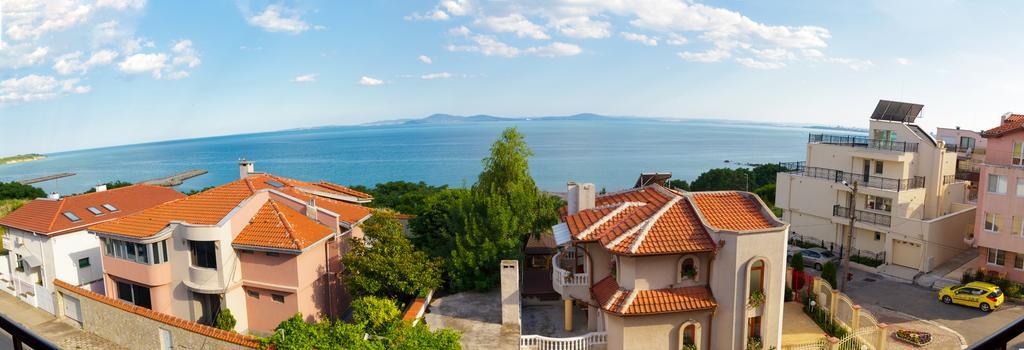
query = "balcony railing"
{"x": 951, "y": 179}
{"x": 839, "y": 176}
{"x": 972, "y": 176}
{"x": 862, "y": 142}
{"x": 1001, "y": 338}
{"x": 561, "y": 278}
{"x": 862, "y": 216}
{"x": 583, "y": 342}
{"x": 21, "y": 336}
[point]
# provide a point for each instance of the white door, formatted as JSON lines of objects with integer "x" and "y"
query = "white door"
{"x": 44, "y": 299}
{"x": 906, "y": 254}
{"x": 72, "y": 308}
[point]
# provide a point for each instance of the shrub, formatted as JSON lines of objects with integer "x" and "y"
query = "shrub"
{"x": 797, "y": 261}
{"x": 828, "y": 273}
{"x": 375, "y": 314}
{"x": 789, "y": 294}
{"x": 863, "y": 260}
{"x": 225, "y": 320}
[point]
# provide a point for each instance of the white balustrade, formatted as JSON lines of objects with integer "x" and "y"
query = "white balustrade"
{"x": 583, "y": 342}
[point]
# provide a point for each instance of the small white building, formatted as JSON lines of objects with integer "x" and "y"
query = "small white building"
{"x": 46, "y": 239}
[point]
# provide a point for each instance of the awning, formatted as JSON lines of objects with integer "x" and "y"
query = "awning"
{"x": 31, "y": 260}
{"x": 562, "y": 234}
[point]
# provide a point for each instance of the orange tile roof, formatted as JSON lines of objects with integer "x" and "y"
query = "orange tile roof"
{"x": 1011, "y": 123}
{"x": 228, "y": 336}
{"x": 627, "y": 302}
{"x": 731, "y": 210}
{"x": 46, "y": 216}
{"x": 211, "y": 206}
{"x": 281, "y": 227}
{"x": 343, "y": 189}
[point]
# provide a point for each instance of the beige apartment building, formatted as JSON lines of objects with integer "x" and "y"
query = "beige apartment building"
{"x": 910, "y": 210}
{"x": 664, "y": 269}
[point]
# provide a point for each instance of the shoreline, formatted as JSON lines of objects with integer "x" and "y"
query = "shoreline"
{"x": 20, "y": 159}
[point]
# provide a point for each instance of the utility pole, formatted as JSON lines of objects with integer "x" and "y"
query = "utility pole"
{"x": 848, "y": 239}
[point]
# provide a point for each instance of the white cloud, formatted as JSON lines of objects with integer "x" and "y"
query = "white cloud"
{"x": 903, "y": 61}
{"x": 432, "y": 76}
{"x": 514, "y": 23}
{"x": 121, "y": 4}
{"x": 435, "y": 15}
{"x": 368, "y": 81}
{"x": 852, "y": 63}
{"x": 277, "y": 18}
{"x": 71, "y": 63}
{"x": 145, "y": 63}
{"x": 457, "y": 7}
{"x": 32, "y": 19}
{"x": 676, "y": 39}
{"x": 641, "y": 38}
{"x": 713, "y": 55}
{"x": 442, "y": 10}
{"x": 488, "y": 45}
{"x": 555, "y": 49}
{"x": 582, "y": 27}
{"x": 752, "y": 63}
{"x": 22, "y": 55}
{"x": 37, "y": 88}
{"x": 305, "y": 78}
{"x": 184, "y": 54}
{"x": 775, "y": 54}
{"x": 425, "y": 59}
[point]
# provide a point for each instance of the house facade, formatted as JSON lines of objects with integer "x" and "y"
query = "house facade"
{"x": 660, "y": 269}
{"x": 999, "y": 232}
{"x": 970, "y": 149}
{"x": 47, "y": 239}
{"x": 910, "y": 210}
{"x": 264, "y": 247}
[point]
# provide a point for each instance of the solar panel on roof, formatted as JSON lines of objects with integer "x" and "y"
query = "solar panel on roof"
{"x": 95, "y": 211}
{"x": 896, "y": 111}
{"x": 110, "y": 207}
{"x": 275, "y": 183}
{"x": 71, "y": 216}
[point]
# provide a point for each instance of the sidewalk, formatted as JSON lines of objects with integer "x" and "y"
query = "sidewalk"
{"x": 63, "y": 334}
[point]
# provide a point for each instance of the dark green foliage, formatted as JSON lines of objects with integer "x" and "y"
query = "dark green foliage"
{"x": 789, "y": 295}
{"x": 1010, "y": 288}
{"x": 767, "y": 194}
{"x": 828, "y": 273}
{"x": 863, "y": 260}
{"x": 16, "y": 190}
{"x": 225, "y": 320}
{"x": 679, "y": 184}
{"x": 387, "y": 264}
{"x": 111, "y": 185}
{"x": 722, "y": 179}
{"x": 389, "y": 332}
{"x": 797, "y": 262}
{"x": 377, "y": 315}
{"x": 430, "y": 228}
{"x": 191, "y": 192}
{"x": 822, "y": 317}
{"x": 765, "y": 174}
{"x": 401, "y": 196}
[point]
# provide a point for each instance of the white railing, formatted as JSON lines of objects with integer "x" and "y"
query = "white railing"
{"x": 561, "y": 278}
{"x": 583, "y": 342}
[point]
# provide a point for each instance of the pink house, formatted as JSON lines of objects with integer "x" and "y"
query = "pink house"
{"x": 264, "y": 247}
{"x": 999, "y": 227}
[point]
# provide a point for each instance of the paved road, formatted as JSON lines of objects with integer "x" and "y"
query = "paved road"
{"x": 923, "y": 303}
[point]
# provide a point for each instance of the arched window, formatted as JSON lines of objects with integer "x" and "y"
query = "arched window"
{"x": 689, "y": 335}
{"x": 757, "y": 277}
{"x": 688, "y": 269}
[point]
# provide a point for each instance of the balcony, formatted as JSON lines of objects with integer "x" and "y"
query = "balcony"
{"x": 565, "y": 282}
{"x": 862, "y": 216}
{"x": 969, "y": 239}
{"x": 838, "y": 176}
{"x": 972, "y": 176}
{"x": 21, "y": 337}
{"x": 862, "y": 142}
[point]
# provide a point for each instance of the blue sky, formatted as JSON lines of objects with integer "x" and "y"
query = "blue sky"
{"x": 88, "y": 73}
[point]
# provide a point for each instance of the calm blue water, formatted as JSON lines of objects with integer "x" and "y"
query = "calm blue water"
{"x": 608, "y": 153}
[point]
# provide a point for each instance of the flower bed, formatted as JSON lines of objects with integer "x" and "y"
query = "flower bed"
{"x": 915, "y": 338}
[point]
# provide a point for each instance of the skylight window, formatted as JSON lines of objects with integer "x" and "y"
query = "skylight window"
{"x": 95, "y": 211}
{"x": 110, "y": 207}
{"x": 275, "y": 184}
{"x": 71, "y": 216}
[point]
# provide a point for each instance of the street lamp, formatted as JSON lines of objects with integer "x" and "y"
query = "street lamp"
{"x": 848, "y": 238}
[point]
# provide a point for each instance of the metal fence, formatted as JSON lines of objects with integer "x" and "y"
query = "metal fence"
{"x": 862, "y": 216}
{"x": 839, "y": 176}
{"x": 863, "y": 331}
{"x": 862, "y": 142}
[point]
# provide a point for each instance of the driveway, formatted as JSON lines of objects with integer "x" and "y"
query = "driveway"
{"x": 876, "y": 292}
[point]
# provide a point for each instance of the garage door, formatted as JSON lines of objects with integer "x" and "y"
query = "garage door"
{"x": 906, "y": 254}
{"x": 72, "y": 308}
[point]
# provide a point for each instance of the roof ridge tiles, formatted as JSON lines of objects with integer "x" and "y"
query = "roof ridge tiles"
{"x": 284, "y": 221}
{"x": 621, "y": 207}
{"x": 626, "y": 303}
{"x": 651, "y": 221}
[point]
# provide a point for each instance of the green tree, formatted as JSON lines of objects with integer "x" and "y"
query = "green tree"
{"x": 111, "y": 185}
{"x": 296, "y": 334}
{"x": 767, "y": 193}
{"x": 679, "y": 184}
{"x": 225, "y": 320}
{"x": 17, "y": 190}
{"x": 377, "y": 315}
{"x": 420, "y": 337}
{"x": 430, "y": 228}
{"x": 797, "y": 262}
{"x": 201, "y": 190}
{"x": 401, "y": 196}
{"x": 386, "y": 263}
{"x": 828, "y": 273}
{"x": 765, "y": 174}
{"x": 722, "y": 179}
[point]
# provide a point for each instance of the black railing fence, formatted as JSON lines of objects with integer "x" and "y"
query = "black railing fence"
{"x": 1001, "y": 338}
{"x": 862, "y": 216}
{"x": 862, "y": 142}
{"x": 861, "y": 179}
{"x": 22, "y": 337}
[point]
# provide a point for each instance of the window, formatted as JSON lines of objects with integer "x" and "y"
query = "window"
{"x": 20, "y": 262}
{"x": 252, "y": 293}
{"x": 272, "y": 254}
{"x": 136, "y": 252}
{"x": 690, "y": 335}
{"x": 757, "y": 277}
{"x": 878, "y": 203}
{"x": 966, "y": 142}
{"x": 688, "y": 269}
{"x": 1018, "y": 261}
{"x": 204, "y": 254}
{"x": 71, "y": 216}
{"x": 996, "y": 257}
{"x": 1020, "y": 187}
{"x": 159, "y": 250}
{"x": 754, "y": 327}
{"x": 997, "y": 184}
{"x": 878, "y": 167}
{"x": 540, "y": 261}
{"x": 95, "y": 211}
{"x": 277, "y": 297}
{"x": 878, "y": 236}
{"x": 991, "y": 222}
{"x": 110, "y": 207}
{"x": 275, "y": 183}
{"x": 1016, "y": 228}
{"x": 1018, "y": 156}
{"x": 134, "y": 294}
{"x": 83, "y": 263}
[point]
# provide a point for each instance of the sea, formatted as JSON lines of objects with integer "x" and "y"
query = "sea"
{"x": 609, "y": 153}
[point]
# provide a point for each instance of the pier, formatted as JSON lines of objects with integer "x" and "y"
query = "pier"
{"x": 176, "y": 179}
{"x": 45, "y": 178}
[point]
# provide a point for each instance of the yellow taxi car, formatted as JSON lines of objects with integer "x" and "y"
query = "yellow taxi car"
{"x": 985, "y": 296}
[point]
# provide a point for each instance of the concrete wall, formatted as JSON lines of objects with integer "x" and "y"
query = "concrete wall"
{"x": 656, "y": 331}
{"x": 730, "y": 286}
{"x": 68, "y": 249}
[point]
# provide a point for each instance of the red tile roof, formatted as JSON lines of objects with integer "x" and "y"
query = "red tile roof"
{"x": 211, "y": 206}
{"x": 343, "y": 190}
{"x": 732, "y": 211}
{"x": 228, "y": 336}
{"x": 1009, "y": 124}
{"x": 46, "y": 216}
{"x": 281, "y": 227}
{"x": 627, "y": 302}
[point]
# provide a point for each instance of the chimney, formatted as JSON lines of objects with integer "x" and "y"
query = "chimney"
{"x": 311, "y": 208}
{"x": 100, "y": 188}
{"x": 245, "y": 167}
{"x": 54, "y": 195}
{"x": 581, "y": 197}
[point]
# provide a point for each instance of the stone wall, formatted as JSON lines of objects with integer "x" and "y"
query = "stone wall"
{"x": 140, "y": 328}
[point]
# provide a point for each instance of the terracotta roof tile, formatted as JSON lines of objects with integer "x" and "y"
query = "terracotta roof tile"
{"x": 1011, "y": 123}
{"x": 627, "y": 302}
{"x": 231, "y": 337}
{"x": 733, "y": 211}
{"x": 46, "y": 216}
{"x": 279, "y": 226}
{"x": 343, "y": 189}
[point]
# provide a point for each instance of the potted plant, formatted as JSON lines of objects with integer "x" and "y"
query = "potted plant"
{"x": 689, "y": 272}
{"x": 756, "y": 298}
{"x": 915, "y": 338}
{"x": 754, "y": 343}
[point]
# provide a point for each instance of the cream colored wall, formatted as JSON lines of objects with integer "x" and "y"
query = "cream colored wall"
{"x": 627, "y": 272}
{"x": 655, "y": 272}
{"x": 946, "y": 237}
{"x": 655, "y": 331}
{"x": 729, "y": 285}
{"x": 600, "y": 261}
